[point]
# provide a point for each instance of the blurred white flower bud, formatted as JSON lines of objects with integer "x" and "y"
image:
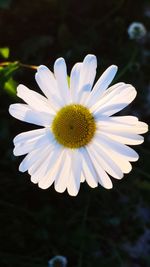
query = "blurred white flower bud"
{"x": 136, "y": 31}
{"x": 58, "y": 261}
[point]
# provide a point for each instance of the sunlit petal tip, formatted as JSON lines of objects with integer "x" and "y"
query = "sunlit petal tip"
{"x": 36, "y": 76}
{"x": 128, "y": 85}
{"x": 59, "y": 63}
{"x": 34, "y": 181}
{"x": 15, "y": 152}
{"x": 72, "y": 194}
{"x": 12, "y": 109}
{"x": 59, "y": 190}
{"x": 21, "y": 168}
{"x": 108, "y": 186}
{"x": 137, "y": 157}
{"x": 114, "y": 68}
{"x": 19, "y": 88}
{"x": 42, "y": 68}
{"x": 90, "y": 57}
{"x": 144, "y": 127}
{"x": 129, "y": 168}
{"x": 42, "y": 186}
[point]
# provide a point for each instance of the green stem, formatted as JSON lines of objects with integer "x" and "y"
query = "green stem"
{"x": 7, "y": 63}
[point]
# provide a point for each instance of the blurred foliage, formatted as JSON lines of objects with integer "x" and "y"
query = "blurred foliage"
{"x": 6, "y": 78}
{"x": 98, "y": 228}
{"x": 4, "y": 52}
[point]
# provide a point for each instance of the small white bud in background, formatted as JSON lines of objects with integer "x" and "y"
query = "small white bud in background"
{"x": 58, "y": 261}
{"x": 136, "y": 31}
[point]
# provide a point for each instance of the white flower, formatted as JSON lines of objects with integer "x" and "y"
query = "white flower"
{"x": 58, "y": 261}
{"x": 80, "y": 140}
{"x": 136, "y": 30}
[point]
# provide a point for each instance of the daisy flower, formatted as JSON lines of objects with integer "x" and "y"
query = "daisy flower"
{"x": 80, "y": 139}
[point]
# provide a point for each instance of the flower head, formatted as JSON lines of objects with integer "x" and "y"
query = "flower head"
{"x": 58, "y": 261}
{"x": 136, "y": 31}
{"x": 80, "y": 139}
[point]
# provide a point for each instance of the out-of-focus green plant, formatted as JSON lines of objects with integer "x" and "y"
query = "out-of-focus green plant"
{"x": 7, "y": 70}
{"x": 4, "y": 52}
{"x": 6, "y": 80}
{"x": 10, "y": 86}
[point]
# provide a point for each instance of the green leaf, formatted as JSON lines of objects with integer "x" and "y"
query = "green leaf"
{"x": 6, "y": 80}
{"x": 5, "y": 4}
{"x": 6, "y": 72}
{"x": 10, "y": 87}
{"x": 4, "y": 52}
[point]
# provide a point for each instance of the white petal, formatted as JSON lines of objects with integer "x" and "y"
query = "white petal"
{"x": 27, "y": 136}
{"x": 60, "y": 71}
{"x": 43, "y": 166}
{"x": 129, "y": 120}
{"x": 82, "y": 180}
{"x": 111, "y": 123}
{"x": 25, "y": 113}
{"x": 20, "y": 150}
{"x": 139, "y": 126}
{"x": 50, "y": 169}
{"x": 123, "y": 137}
{"x": 27, "y": 146}
{"x": 75, "y": 172}
{"x": 115, "y": 101}
{"x": 106, "y": 161}
{"x": 40, "y": 160}
{"x": 94, "y": 102}
{"x": 121, "y": 149}
{"x": 62, "y": 178}
{"x": 33, "y": 99}
{"x": 33, "y": 170}
{"x": 29, "y": 160}
{"x": 101, "y": 85}
{"x": 33, "y": 158}
{"x": 87, "y": 77}
{"x": 75, "y": 81}
{"x": 47, "y": 83}
{"x": 88, "y": 71}
{"x": 88, "y": 169}
{"x": 24, "y": 165}
{"x": 103, "y": 178}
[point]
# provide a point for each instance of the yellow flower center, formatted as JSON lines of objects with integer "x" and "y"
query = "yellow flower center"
{"x": 73, "y": 126}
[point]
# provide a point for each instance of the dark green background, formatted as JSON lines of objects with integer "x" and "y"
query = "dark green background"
{"x": 98, "y": 228}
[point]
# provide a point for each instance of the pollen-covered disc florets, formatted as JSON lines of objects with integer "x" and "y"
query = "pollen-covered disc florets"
{"x": 73, "y": 126}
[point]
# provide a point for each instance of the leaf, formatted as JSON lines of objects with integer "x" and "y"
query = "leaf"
{"x": 5, "y": 4}
{"x": 6, "y": 80}
{"x": 10, "y": 87}
{"x": 4, "y": 52}
{"x": 6, "y": 72}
